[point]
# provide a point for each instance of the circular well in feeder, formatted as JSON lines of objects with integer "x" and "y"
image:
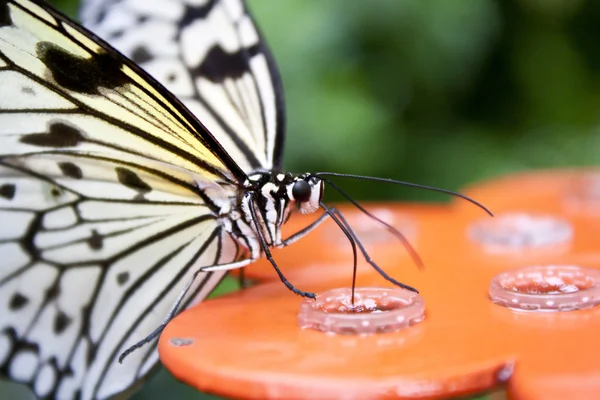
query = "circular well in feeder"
{"x": 375, "y": 310}
{"x": 547, "y": 288}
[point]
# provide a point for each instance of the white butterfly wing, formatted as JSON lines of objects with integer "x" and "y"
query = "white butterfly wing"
{"x": 109, "y": 197}
{"x": 212, "y": 57}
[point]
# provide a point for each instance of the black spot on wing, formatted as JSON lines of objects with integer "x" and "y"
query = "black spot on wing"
{"x": 61, "y": 322}
{"x": 70, "y": 170}
{"x": 17, "y": 302}
{"x": 117, "y": 34}
{"x": 130, "y": 179}
{"x": 56, "y": 192}
{"x": 8, "y": 191}
{"x": 5, "y": 19}
{"x": 80, "y": 74}
{"x": 141, "y": 55}
{"x": 219, "y": 65}
{"x": 28, "y": 90}
{"x": 59, "y": 135}
{"x": 122, "y": 277}
{"x": 95, "y": 241}
{"x": 195, "y": 13}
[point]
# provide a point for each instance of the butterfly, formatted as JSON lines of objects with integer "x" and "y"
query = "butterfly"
{"x": 124, "y": 201}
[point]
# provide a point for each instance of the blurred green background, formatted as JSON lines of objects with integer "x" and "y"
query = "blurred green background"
{"x": 438, "y": 92}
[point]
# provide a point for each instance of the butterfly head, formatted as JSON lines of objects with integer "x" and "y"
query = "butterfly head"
{"x": 285, "y": 191}
{"x": 306, "y": 191}
{"x": 275, "y": 196}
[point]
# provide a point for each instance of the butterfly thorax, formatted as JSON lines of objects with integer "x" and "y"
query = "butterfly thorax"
{"x": 273, "y": 196}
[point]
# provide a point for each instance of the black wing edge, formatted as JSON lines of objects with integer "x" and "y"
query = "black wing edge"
{"x": 206, "y": 136}
{"x": 279, "y": 94}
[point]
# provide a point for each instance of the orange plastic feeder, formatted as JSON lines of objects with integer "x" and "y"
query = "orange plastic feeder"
{"x": 509, "y": 301}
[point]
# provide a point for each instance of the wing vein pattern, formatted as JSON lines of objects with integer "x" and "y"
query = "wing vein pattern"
{"x": 111, "y": 190}
{"x": 211, "y": 56}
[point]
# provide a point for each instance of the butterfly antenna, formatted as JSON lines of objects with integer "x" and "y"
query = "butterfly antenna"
{"x": 415, "y": 185}
{"x": 411, "y": 250}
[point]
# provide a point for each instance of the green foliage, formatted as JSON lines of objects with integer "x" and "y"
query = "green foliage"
{"x": 439, "y": 93}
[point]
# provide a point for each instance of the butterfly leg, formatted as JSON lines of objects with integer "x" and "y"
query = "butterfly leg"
{"x": 265, "y": 248}
{"x": 177, "y": 304}
{"x": 300, "y": 234}
{"x": 367, "y": 256}
{"x": 242, "y": 280}
{"x": 329, "y": 212}
{"x": 293, "y": 238}
{"x": 305, "y": 231}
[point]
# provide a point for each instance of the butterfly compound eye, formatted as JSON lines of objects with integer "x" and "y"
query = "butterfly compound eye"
{"x": 301, "y": 191}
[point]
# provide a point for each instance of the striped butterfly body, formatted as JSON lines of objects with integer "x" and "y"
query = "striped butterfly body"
{"x": 118, "y": 206}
